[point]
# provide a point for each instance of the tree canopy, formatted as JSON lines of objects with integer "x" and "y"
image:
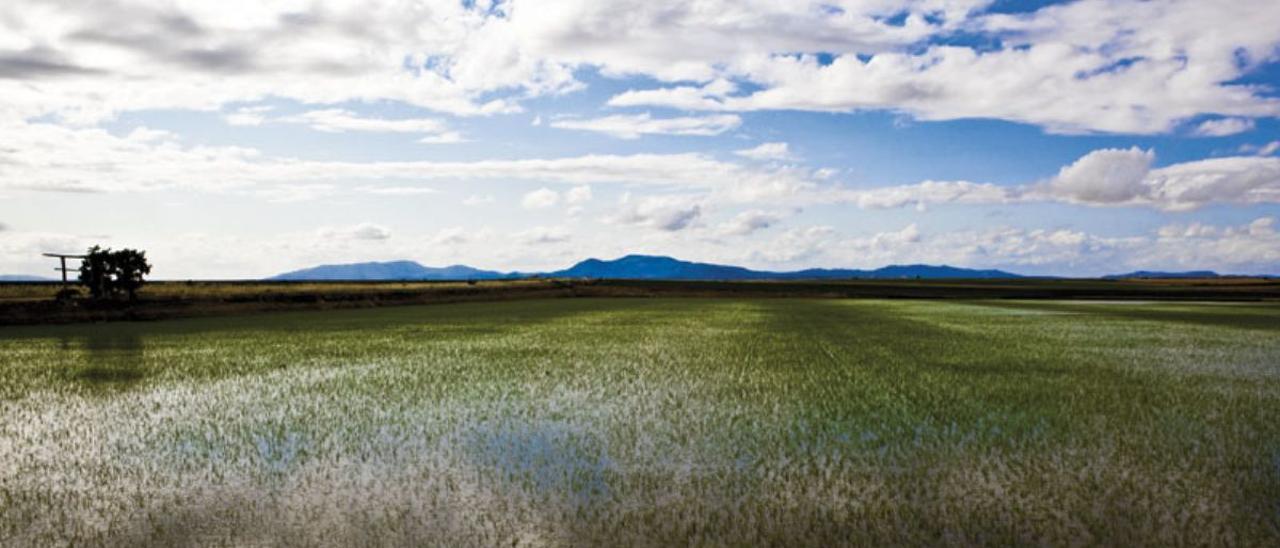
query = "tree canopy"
{"x": 109, "y": 274}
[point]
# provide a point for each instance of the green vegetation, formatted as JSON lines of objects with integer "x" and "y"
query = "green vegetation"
{"x": 110, "y": 273}
{"x": 650, "y": 421}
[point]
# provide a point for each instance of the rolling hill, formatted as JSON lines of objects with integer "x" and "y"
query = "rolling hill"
{"x": 393, "y": 270}
{"x": 23, "y": 278}
{"x": 630, "y": 267}
{"x": 1167, "y": 275}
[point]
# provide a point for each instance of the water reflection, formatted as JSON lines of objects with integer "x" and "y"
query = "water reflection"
{"x": 545, "y": 457}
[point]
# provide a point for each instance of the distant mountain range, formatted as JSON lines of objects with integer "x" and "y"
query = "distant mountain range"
{"x": 1159, "y": 274}
{"x": 394, "y": 270}
{"x": 649, "y": 267}
{"x": 23, "y": 278}
{"x": 646, "y": 267}
{"x": 630, "y": 267}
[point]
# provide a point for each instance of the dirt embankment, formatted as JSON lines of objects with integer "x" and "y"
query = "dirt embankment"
{"x": 33, "y": 303}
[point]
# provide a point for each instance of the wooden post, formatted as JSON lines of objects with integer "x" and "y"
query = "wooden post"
{"x": 62, "y": 259}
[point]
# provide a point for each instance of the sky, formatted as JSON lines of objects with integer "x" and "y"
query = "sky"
{"x": 244, "y": 138}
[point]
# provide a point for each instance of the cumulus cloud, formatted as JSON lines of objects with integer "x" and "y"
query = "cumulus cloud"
{"x": 749, "y": 222}
{"x": 540, "y": 199}
{"x": 478, "y": 199}
{"x": 632, "y": 126}
{"x": 134, "y": 55}
{"x": 1090, "y": 65}
{"x": 665, "y": 213}
{"x": 1125, "y": 177}
{"x": 1247, "y": 247}
{"x": 1238, "y": 180}
{"x": 924, "y": 194}
{"x": 1253, "y": 247}
{"x": 362, "y": 231}
{"x": 48, "y": 157}
{"x": 543, "y": 235}
{"x": 766, "y": 151}
{"x": 1223, "y": 127}
{"x": 1106, "y": 176}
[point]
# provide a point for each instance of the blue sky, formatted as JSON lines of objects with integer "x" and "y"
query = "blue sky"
{"x": 240, "y": 139}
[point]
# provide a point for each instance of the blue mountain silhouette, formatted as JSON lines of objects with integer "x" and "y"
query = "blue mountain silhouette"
{"x": 630, "y": 267}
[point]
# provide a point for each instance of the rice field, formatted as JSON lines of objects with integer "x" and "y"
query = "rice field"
{"x": 650, "y": 422}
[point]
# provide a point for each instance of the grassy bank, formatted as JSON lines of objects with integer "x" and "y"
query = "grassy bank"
{"x": 650, "y": 421}
{"x": 26, "y": 303}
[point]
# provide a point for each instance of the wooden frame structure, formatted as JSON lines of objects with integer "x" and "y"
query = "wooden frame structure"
{"x": 62, "y": 257}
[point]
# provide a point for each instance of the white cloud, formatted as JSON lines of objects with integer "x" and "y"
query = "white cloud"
{"x": 1223, "y": 127}
{"x": 665, "y": 213}
{"x": 1106, "y": 66}
{"x": 578, "y": 195}
{"x": 452, "y": 236}
{"x": 478, "y": 199}
{"x": 1124, "y": 177}
{"x": 362, "y": 231}
{"x": 540, "y": 199}
{"x": 766, "y": 151}
{"x": 55, "y": 158}
{"x": 707, "y": 97}
{"x": 1236, "y": 180}
{"x": 1261, "y": 150}
{"x": 340, "y": 121}
{"x": 1106, "y": 176}
{"x": 1250, "y": 248}
{"x": 542, "y": 235}
{"x": 47, "y": 157}
{"x": 796, "y": 246}
{"x": 749, "y": 222}
{"x": 247, "y": 116}
{"x": 446, "y": 138}
{"x": 1090, "y": 65}
{"x": 1247, "y": 247}
{"x": 397, "y": 190}
{"x": 923, "y": 194}
{"x": 632, "y": 126}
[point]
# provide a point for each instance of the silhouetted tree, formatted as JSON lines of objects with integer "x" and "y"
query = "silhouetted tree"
{"x": 95, "y": 272}
{"x": 110, "y": 273}
{"x": 131, "y": 266}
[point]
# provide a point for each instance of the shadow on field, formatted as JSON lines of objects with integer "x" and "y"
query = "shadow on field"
{"x": 105, "y": 343}
{"x": 105, "y": 357}
{"x": 1221, "y": 315}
